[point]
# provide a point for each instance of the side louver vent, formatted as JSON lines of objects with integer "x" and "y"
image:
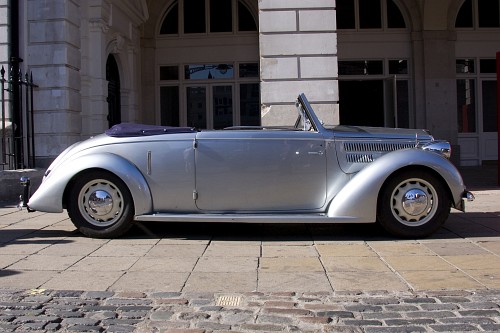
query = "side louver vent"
{"x": 375, "y": 146}
{"x": 367, "y": 152}
{"x": 354, "y": 155}
{"x": 359, "y": 158}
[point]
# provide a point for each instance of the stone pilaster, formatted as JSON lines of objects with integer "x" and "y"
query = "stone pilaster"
{"x": 53, "y": 56}
{"x": 435, "y": 87}
{"x": 298, "y": 53}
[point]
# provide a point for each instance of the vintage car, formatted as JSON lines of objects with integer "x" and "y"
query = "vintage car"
{"x": 304, "y": 173}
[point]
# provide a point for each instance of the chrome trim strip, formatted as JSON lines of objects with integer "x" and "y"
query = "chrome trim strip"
{"x": 249, "y": 218}
{"x": 148, "y": 170}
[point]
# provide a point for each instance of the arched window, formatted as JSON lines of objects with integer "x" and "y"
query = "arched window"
{"x": 369, "y": 14}
{"x": 212, "y": 16}
{"x": 114, "y": 98}
{"x": 170, "y": 25}
{"x": 479, "y": 14}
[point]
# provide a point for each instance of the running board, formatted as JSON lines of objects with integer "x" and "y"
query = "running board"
{"x": 246, "y": 218}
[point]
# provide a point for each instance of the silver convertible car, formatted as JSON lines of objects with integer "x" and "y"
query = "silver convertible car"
{"x": 304, "y": 173}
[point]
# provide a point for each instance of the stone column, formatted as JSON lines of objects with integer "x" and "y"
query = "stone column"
{"x": 298, "y": 54}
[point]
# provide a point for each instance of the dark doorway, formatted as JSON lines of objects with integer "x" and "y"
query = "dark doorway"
{"x": 114, "y": 104}
{"x": 362, "y": 103}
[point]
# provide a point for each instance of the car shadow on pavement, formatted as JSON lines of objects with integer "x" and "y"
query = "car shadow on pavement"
{"x": 458, "y": 226}
{"x": 8, "y": 272}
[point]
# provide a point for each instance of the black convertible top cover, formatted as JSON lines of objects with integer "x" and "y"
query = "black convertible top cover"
{"x": 130, "y": 129}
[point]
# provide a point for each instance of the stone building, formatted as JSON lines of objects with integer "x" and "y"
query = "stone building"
{"x": 215, "y": 63}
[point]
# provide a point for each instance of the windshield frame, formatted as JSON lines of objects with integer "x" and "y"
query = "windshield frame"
{"x": 306, "y": 116}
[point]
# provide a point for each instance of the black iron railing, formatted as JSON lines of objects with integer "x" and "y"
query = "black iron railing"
{"x": 17, "y": 127}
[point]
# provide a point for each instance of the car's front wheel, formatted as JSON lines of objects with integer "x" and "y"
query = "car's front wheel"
{"x": 413, "y": 204}
{"x": 100, "y": 205}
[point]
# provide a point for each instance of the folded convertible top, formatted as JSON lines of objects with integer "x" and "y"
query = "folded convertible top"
{"x": 130, "y": 129}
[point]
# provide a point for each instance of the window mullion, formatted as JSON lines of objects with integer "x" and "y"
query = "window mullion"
{"x": 207, "y": 16}
{"x": 357, "y": 23}
{"x": 383, "y": 13}
{"x": 475, "y": 13}
{"x": 235, "y": 16}
{"x": 181, "y": 17}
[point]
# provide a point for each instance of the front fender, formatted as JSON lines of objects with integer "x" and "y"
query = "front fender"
{"x": 358, "y": 198}
{"x": 49, "y": 196}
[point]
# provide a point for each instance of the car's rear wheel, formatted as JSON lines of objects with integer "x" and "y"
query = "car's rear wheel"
{"x": 413, "y": 204}
{"x": 100, "y": 205}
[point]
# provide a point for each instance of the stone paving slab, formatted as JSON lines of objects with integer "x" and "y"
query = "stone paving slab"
{"x": 465, "y": 253}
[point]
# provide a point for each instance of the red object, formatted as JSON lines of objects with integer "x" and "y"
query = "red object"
{"x": 498, "y": 114}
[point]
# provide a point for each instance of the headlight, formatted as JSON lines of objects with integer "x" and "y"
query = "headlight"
{"x": 439, "y": 147}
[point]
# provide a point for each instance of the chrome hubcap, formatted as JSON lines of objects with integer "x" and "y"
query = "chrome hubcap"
{"x": 100, "y": 202}
{"x": 414, "y": 202}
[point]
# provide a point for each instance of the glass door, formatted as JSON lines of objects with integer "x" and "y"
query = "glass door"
{"x": 222, "y": 106}
{"x": 196, "y": 105}
{"x": 210, "y": 106}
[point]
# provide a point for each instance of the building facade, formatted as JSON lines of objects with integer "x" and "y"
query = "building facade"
{"x": 217, "y": 63}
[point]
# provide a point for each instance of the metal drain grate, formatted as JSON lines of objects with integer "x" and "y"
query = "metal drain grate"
{"x": 228, "y": 300}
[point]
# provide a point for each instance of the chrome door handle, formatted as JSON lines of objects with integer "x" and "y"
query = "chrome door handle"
{"x": 316, "y": 153}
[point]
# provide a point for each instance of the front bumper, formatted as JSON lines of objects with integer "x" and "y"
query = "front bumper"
{"x": 466, "y": 197}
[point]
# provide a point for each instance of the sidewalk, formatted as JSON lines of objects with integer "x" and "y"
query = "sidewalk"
{"x": 241, "y": 277}
{"x": 39, "y": 250}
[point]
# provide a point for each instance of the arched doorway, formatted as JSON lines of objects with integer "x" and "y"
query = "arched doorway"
{"x": 374, "y": 59}
{"x": 207, "y": 54}
{"x": 114, "y": 103}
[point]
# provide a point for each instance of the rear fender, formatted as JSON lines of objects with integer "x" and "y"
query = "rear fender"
{"x": 358, "y": 198}
{"x": 49, "y": 196}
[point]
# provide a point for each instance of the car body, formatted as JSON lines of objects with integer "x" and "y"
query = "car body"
{"x": 305, "y": 173}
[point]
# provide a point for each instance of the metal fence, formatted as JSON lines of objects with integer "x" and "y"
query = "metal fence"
{"x": 17, "y": 128}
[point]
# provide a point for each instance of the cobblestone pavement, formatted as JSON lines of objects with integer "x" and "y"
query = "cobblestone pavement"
{"x": 202, "y": 278}
{"x": 40, "y": 310}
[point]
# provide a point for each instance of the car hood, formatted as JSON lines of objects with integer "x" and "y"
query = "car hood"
{"x": 359, "y": 146}
{"x": 381, "y": 132}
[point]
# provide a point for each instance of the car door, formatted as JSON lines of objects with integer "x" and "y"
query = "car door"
{"x": 167, "y": 163}
{"x": 260, "y": 170}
